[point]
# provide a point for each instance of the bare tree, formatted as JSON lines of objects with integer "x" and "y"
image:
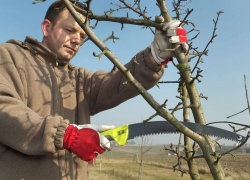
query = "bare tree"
{"x": 144, "y": 146}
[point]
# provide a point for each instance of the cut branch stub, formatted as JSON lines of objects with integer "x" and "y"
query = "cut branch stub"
{"x": 111, "y": 37}
{"x": 202, "y": 96}
{"x": 100, "y": 55}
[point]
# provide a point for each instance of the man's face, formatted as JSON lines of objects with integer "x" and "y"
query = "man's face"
{"x": 63, "y": 36}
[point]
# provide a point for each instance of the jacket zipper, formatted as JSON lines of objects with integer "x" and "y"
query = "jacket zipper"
{"x": 58, "y": 85}
{"x": 57, "y": 62}
{"x": 58, "y": 113}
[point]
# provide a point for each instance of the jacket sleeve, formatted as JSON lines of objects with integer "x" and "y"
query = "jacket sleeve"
{"x": 21, "y": 128}
{"x": 105, "y": 90}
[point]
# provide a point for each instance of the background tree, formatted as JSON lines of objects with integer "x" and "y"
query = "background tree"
{"x": 144, "y": 146}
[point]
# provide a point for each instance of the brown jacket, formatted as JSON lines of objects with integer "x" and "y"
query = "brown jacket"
{"x": 39, "y": 99}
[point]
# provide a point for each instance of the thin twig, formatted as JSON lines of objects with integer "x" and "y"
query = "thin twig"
{"x": 211, "y": 40}
{"x": 246, "y": 93}
{"x": 168, "y": 82}
{"x": 88, "y": 2}
{"x": 179, "y": 157}
{"x": 189, "y": 12}
{"x": 237, "y": 113}
{"x": 229, "y": 122}
{"x": 237, "y": 147}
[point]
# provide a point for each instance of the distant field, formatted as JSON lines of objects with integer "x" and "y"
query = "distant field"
{"x": 121, "y": 164}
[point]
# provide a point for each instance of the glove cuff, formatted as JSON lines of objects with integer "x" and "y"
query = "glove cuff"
{"x": 157, "y": 59}
{"x": 69, "y": 136}
{"x": 167, "y": 61}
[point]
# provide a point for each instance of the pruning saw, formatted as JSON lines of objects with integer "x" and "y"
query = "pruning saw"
{"x": 130, "y": 131}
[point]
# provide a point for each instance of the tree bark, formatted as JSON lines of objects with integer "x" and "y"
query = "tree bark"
{"x": 140, "y": 170}
{"x": 193, "y": 170}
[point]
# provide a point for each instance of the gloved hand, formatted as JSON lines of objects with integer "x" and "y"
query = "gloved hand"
{"x": 85, "y": 140}
{"x": 165, "y": 38}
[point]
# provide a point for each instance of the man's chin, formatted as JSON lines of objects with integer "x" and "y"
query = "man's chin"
{"x": 67, "y": 57}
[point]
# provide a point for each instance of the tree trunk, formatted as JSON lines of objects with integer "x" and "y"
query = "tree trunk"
{"x": 206, "y": 145}
{"x": 140, "y": 170}
{"x": 193, "y": 170}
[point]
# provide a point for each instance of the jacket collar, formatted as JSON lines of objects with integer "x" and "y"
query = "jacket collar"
{"x": 45, "y": 53}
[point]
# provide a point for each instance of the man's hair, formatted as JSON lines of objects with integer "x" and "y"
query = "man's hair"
{"x": 55, "y": 8}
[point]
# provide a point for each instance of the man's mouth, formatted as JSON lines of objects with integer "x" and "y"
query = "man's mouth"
{"x": 71, "y": 49}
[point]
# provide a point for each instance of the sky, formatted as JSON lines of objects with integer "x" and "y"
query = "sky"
{"x": 223, "y": 69}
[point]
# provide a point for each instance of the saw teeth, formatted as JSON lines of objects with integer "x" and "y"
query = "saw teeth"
{"x": 164, "y": 127}
{"x": 160, "y": 133}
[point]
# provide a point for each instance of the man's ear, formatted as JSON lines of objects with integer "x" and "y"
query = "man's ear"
{"x": 46, "y": 27}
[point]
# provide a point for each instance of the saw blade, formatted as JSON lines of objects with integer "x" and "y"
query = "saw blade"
{"x": 164, "y": 127}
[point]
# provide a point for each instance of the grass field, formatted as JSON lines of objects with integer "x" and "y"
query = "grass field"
{"x": 121, "y": 164}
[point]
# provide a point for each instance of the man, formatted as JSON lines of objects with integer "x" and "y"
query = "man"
{"x": 46, "y": 102}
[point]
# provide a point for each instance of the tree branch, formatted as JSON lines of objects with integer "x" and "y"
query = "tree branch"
{"x": 246, "y": 93}
{"x": 123, "y": 20}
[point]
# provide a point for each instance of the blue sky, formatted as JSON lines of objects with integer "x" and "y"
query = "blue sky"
{"x": 224, "y": 67}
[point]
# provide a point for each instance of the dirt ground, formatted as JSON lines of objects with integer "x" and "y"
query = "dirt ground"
{"x": 155, "y": 168}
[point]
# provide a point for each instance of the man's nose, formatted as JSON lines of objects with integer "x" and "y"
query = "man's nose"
{"x": 76, "y": 38}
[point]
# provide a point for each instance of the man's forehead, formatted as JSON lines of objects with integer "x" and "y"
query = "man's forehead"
{"x": 65, "y": 14}
{"x": 66, "y": 17}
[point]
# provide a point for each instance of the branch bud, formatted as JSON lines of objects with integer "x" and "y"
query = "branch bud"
{"x": 159, "y": 19}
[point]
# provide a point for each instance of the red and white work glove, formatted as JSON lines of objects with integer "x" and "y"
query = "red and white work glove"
{"x": 164, "y": 39}
{"x": 85, "y": 140}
